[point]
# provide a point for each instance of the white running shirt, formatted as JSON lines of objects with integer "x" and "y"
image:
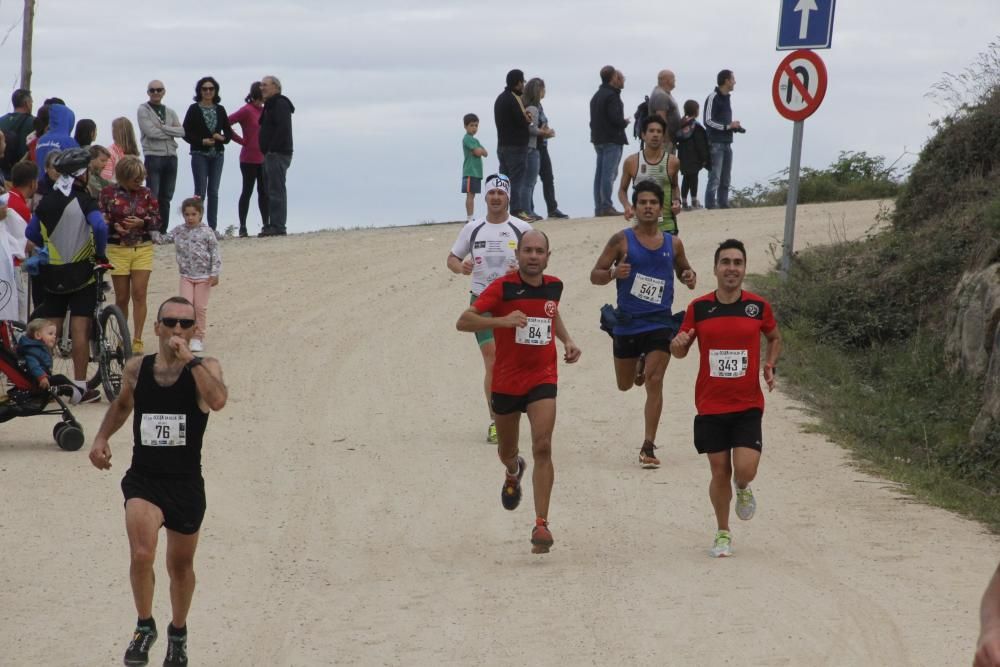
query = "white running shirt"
{"x": 492, "y": 246}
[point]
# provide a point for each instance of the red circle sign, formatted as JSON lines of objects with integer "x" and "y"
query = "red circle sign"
{"x": 799, "y": 85}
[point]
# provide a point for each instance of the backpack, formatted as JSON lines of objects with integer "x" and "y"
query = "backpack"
{"x": 641, "y": 114}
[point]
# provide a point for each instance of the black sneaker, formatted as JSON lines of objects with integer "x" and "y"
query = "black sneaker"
{"x": 176, "y": 650}
{"x": 510, "y": 493}
{"x": 137, "y": 652}
{"x": 558, "y": 214}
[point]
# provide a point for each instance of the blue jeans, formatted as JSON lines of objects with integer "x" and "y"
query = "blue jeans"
{"x": 275, "y": 167}
{"x": 161, "y": 177}
{"x": 533, "y": 165}
{"x": 513, "y": 164}
{"x": 207, "y": 171}
{"x": 608, "y": 157}
{"x": 717, "y": 190}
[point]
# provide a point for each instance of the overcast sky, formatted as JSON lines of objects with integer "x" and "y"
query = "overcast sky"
{"x": 381, "y": 87}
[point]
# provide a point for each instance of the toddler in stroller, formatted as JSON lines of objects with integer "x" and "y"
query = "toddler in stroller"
{"x": 31, "y": 386}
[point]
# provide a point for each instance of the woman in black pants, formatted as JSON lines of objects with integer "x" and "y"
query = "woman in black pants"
{"x": 251, "y": 159}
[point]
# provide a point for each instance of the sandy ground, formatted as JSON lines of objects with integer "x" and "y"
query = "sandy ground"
{"x": 354, "y": 516}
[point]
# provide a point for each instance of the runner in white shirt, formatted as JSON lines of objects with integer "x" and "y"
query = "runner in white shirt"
{"x": 485, "y": 249}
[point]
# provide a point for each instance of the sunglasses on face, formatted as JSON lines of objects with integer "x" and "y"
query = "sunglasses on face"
{"x": 155, "y": 90}
{"x": 208, "y": 87}
{"x": 171, "y": 322}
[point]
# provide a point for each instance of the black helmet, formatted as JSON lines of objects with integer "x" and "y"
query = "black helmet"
{"x": 72, "y": 160}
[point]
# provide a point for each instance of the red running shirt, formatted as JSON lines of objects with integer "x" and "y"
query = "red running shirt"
{"x": 526, "y": 357}
{"x": 729, "y": 345}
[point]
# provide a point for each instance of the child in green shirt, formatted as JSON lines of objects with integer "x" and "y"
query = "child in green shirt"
{"x": 472, "y": 166}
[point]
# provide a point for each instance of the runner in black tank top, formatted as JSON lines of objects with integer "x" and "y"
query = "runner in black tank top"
{"x": 169, "y": 395}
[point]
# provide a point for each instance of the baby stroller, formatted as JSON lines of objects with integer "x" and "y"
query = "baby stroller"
{"x": 24, "y": 398}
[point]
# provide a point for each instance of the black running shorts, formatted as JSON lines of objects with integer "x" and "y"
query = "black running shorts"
{"x": 720, "y": 433}
{"x": 630, "y": 346}
{"x": 181, "y": 499}
{"x": 81, "y": 303}
{"x": 505, "y": 404}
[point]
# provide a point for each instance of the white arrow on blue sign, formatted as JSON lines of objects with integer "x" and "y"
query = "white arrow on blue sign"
{"x": 805, "y": 24}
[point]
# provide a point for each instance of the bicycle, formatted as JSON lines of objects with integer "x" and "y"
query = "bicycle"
{"x": 110, "y": 340}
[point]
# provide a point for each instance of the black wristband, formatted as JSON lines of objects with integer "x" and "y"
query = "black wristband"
{"x": 197, "y": 361}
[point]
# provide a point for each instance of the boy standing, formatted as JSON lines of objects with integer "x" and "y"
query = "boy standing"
{"x": 472, "y": 166}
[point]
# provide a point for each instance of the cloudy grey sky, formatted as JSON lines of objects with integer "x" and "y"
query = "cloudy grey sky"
{"x": 380, "y": 87}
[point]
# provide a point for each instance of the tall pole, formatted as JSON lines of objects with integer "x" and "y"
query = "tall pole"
{"x": 27, "y": 29}
{"x": 793, "y": 198}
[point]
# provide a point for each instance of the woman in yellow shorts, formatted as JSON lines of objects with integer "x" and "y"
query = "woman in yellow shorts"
{"x": 132, "y": 214}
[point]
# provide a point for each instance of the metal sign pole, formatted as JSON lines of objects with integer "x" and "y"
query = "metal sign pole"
{"x": 793, "y": 199}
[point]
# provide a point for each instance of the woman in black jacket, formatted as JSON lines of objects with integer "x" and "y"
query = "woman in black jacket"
{"x": 207, "y": 130}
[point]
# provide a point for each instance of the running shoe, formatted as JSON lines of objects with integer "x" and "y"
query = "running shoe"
{"x": 510, "y": 493}
{"x": 90, "y": 396}
{"x": 723, "y": 544}
{"x": 176, "y": 650}
{"x": 646, "y": 456}
{"x": 746, "y": 504}
{"x": 640, "y": 370}
{"x": 541, "y": 537}
{"x": 491, "y": 434}
{"x": 137, "y": 652}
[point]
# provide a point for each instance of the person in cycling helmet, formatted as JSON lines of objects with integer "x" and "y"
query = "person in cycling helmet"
{"x": 68, "y": 224}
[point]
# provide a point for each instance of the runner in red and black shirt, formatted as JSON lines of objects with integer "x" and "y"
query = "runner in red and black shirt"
{"x": 728, "y": 324}
{"x": 525, "y": 321}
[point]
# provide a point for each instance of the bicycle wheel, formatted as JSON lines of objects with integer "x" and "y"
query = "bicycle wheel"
{"x": 114, "y": 348}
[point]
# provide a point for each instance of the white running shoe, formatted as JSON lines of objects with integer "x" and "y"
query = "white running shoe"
{"x": 723, "y": 544}
{"x": 746, "y": 504}
{"x": 197, "y": 345}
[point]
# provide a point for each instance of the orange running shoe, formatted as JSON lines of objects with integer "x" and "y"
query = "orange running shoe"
{"x": 646, "y": 456}
{"x": 541, "y": 537}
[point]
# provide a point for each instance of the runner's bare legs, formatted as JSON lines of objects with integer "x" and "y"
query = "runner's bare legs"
{"x": 542, "y": 415}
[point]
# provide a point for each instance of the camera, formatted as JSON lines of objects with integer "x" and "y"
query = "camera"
{"x": 741, "y": 130}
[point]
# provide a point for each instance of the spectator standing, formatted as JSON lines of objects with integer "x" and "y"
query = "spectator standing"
{"x": 132, "y": 214}
{"x": 123, "y": 143}
{"x": 276, "y": 145}
{"x": 159, "y": 129}
{"x": 251, "y": 159}
{"x": 207, "y": 130}
{"x": 545, "y": 162}
{"x": 56, "y": 138}
{"x": 663, "y": 104}
{"x": 99, "y": 157}
{"x": 512, "y": 140}
{"x": 199, "y": 262}
{"x": 85, "y": 133}
{"x": 533, "y": 92}
{"x": 15, "y": 127}
{"x": 607, "y": 133}
{"x": 472, "y": 163}
{"x": 692, "y": 149}
{"x": 719, "y": 125}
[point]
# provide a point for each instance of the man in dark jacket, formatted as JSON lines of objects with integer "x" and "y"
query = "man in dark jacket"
{"x": 607, "y": 133}
{"x": 719, "y": 123}
{"x": 276, "y": 145}
{"x": 512, "y": 141}
{"x": 16, "y": 126}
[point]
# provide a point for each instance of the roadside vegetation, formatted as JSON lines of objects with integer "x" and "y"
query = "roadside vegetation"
{"x": 864, "y": 321}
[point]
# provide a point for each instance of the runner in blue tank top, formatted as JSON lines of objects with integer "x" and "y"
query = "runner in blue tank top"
{"x": 644, "y": 261}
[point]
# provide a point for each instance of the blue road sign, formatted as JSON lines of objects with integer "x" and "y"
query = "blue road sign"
{"x": 805, "y": 24}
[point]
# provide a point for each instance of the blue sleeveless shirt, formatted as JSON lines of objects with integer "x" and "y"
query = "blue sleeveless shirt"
{"x": 649, "y": 289}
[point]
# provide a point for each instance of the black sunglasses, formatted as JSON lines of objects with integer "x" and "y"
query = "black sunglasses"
{"x": 171, "y": 322}
{"x": 155, "y": 90}
{"x": 208, "y": 87}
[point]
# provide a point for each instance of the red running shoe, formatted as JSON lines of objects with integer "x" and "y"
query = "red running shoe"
{"x": 541, "y": 537}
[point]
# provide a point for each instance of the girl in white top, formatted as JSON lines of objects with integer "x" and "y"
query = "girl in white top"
{"x": 200, "y": 263}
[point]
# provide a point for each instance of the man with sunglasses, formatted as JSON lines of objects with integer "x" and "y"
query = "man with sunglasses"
{"x": 159, "y": 129}
{"x": 170, "y": 394}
